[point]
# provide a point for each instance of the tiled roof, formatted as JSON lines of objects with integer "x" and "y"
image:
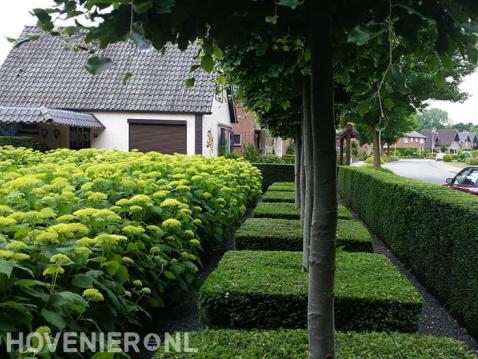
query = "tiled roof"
{"x": 463, "y": 136}
{"x": 45, "y": 73}
{"x": 443, "y": 137}
{"x": 414, "y": 134}
{"x": 45, "y": 115}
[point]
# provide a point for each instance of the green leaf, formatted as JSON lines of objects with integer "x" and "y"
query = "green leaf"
{"x": 412, "y": 11}
{"x": 364, "y": 107}
{"x": 207, "y": 63}
{"x": 169, "y": 275}
{"x": 112, "y": 267}
{"x": 96, "y": 65}
{"x": 272, "y": 19}
{"x": 398, "y": 79}
{"x": 190, "y": 82}
{"x": 261, "y": 48}
{"x": 361, "y": 34}
{"x": 82, "y": 281}
{"x": 54, "y": 319}
{"x": 388, "y": 103}
{"x": 6, "y": 267}
{"x": 44, "y": 19}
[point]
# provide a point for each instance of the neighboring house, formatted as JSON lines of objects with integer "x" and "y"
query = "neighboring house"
{"x": 442, "y": 138}
{"x": 46, "y": 92}
{"x": 468, "y": 140}
{"x": 412, "y": 139}
{"x": 246, "y": 131}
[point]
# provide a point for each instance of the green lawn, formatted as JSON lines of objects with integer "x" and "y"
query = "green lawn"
{"x": 289, "y": 211}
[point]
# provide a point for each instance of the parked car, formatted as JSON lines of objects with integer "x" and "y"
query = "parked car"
{"x": 466, "y": 180}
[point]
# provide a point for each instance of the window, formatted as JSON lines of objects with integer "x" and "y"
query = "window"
{"x": 405, "y": 139}
{"x": 80, "y": 138}
{"x": 422, "y": 140}
{"x": 236, "y": 140}
{"x": 467, "y": 177}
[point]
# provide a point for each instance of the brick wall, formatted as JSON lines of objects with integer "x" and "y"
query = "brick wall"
{"x": 245, "y": 127}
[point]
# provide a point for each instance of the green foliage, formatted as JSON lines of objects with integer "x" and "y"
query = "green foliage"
{"x": 293, "y": 344}
{"x": 286, "y": 234}
{"x": 282, "y": 186}
{"x": 278, "y": 196}
{"x": 291, "y": 149}
{"x": 93, "y": 240}
{"x": 447, "y": 158}
{"x": 473, "y": 161}
{"x": 432, "y": 118}
{"x": 407, "y": 152}
{"x": 251, "y": 153}
{"x": 275, "y": 173}
{"x": 18, "y": 141}
{"x": 431, "y": 228}
{"x": 258, "y": 289}
{"x": 289, "y": 211}
{"x": 383, "y": 159}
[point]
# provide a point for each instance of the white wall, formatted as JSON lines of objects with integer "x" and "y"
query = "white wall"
{"x": 211, "y": 123}
{"x": 116, "y": 132}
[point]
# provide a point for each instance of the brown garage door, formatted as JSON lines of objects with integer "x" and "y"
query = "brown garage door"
{"x": 160, "y": 136}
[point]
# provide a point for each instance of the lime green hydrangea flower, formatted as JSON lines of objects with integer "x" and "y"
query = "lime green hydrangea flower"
{"x": 137, "y": 283}
{"x": 60, "y": 259}
{"x": 171, "y": 223}
{"x": 170, "y": 202}
{"x": 5, "y": 210}
{"x": 146, "y": 290}
{"x": 206, "y": 195}
{"x": 48, "y": 237}
{"x": 7, "y": 221}
{"x": 133, "y": 230}
{"x": 20, "y": 257}
{"x": 6, "y": 254}
{"x": 189, "y": 233}
{"x": 109, "y": 239}
{"x": 93, "y": 295}
{"x": 15, "y": 246}
{"x": 97, "y": 197}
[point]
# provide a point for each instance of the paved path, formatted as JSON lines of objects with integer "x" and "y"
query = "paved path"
{"x": 428, "y": 171}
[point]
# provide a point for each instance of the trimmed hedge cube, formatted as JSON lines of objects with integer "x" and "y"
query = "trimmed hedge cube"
{"x": 286, "y": 234}
{"x": 289, "y": 211}
{"x": 260, "y": 289}
{"x": 278, "y": 196}
{"x": 282, "y": 186}
{"x": 293, "y": 344}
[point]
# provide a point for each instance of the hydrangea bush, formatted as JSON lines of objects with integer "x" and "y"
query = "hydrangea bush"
{"x": 92, "y": 240}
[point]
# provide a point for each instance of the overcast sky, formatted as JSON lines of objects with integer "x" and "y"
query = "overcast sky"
{"x": 15, "y": 15}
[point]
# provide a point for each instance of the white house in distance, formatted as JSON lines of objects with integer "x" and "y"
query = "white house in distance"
{"x": 45, "y": 92}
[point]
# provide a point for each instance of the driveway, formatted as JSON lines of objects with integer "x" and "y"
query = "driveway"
{"x": 428, "y": 171}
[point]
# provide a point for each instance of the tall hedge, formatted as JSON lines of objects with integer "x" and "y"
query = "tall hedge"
{"x": 18, "y": 141}
{"x": 433, "y": 229}
{"x": 272, "y": 172}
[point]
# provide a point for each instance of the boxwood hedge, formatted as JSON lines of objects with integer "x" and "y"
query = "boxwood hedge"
{"x": 273, "y": 172}
{"x": 433, "y": 229}
{"x": 286, "y": 234}
{"x": 260, "y": 289}
{"x": 279, "y": 196}
{"x": 293, "y": 344}
{"x": 288, "y": 211}
{"x": 282, "y": 186}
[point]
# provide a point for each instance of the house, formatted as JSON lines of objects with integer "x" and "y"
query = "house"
{"x": 412, "y": 139}
{"x": 468, "y": 140}
{"x": 46, "y": 92}
{"x": 246, "y": 131}
{"x": 445, "y": 140}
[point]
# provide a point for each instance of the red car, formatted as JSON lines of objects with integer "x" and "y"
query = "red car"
{"x": 466, "y": 180}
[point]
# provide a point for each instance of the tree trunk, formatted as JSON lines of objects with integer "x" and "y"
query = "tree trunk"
{"x": 308, "y": 188}
{"x": 297, "y": 166}
{"x": 302, "y": 181}
{"x": 324, "y": 218}
{"x": 376, "y": 148}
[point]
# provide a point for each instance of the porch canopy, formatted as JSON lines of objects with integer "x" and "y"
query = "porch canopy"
{"x": 346, "y": 134}
{"x": 32, "y": 115}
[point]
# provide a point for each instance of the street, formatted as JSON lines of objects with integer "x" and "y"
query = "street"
{"x": 428, "y": 171}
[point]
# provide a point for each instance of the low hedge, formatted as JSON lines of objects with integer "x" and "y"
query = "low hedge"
{"x": 272, "y": 172}
{"x": 288, "y": 211}
{"x": 279, "y": 196}
{"x": 18, "y": 141}
{"x": 431, "y": 228}
{"x": 286, "y": 235}
{"x": 293, "y": 344}
{"x": 260, "y": 289}
{"x": 282, "y": 186}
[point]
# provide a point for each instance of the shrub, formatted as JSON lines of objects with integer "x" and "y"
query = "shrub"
{"x": 293, "y": 344}
{"x": 286, "y": 235}
{"x": 431, "y": 228}
{"x": 275, "y": 173}
{"x": 257, "y": 289}
{"x": 407, "y": 152}
{"x": 472, "y": 161}
{"x": 18, "y": 141}
{"x": 279, "y": 196}
{"x": 289, "y": 211}
{"x": 447, "y": 158}
{"x": 282, "y": 186}
{"x": 94, "y": 239}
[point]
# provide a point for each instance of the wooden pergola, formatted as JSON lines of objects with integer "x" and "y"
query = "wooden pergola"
{"x": 346, "y": 134}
